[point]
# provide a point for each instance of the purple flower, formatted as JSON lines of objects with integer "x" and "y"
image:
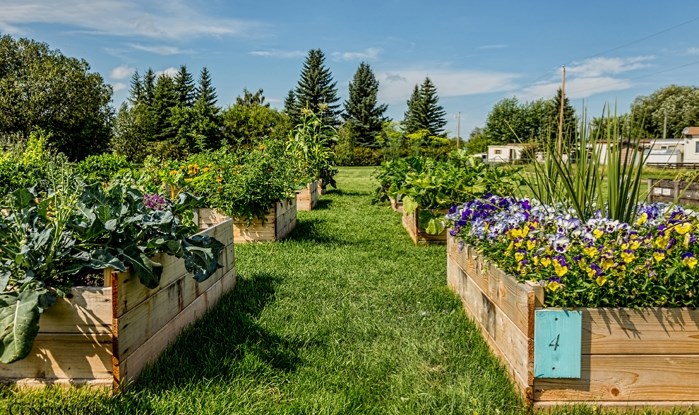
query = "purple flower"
{"x": 154, "y": 201}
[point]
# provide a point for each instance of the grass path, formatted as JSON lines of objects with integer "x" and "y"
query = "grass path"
{"x": 344, "y": 317}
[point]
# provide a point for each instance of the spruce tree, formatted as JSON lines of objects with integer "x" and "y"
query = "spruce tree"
{"x": 362, "y": 113}
{"x": 424, "y": 111}
{"x": 149, "y": 87}
{"x": 316, "y": 89}
{"x": 291, "y": 108}
{"x": 205, "y": 92}
{"x": 207, "y": 113}
{"x": 411, "y": 122}
{"x": 250, "y": 100}
{"x": 184, "y": 87}
{"x": 569, "y": 120}
{"x": 164, "y": 100}
{"x": 136, "y": 90}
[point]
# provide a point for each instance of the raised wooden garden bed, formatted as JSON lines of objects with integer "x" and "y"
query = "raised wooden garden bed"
{"x": 396, "y": 205}
{"x": 417, "y": 232}
{"x": 278, "y": 223}
{"x": 625, "y": 357}
{"x": 307, "y": 198}
{"x": 669, "y": 190}
{"x": 104, "y": 336}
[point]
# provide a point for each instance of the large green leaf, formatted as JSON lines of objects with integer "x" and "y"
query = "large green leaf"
{"x": 201, "y": 256}
{"x": 147, "y": 270}
{"x": 19, "y": 323}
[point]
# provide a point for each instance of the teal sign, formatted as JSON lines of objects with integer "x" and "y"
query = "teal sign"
{"x": 557, "y": 344}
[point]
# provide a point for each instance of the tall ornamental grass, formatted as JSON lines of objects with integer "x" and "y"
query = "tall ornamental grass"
{"x": 577, "y": 174}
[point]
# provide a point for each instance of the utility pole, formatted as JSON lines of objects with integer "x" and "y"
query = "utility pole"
{"x": 559, "y": 141}
{"x": 458, "y": 129}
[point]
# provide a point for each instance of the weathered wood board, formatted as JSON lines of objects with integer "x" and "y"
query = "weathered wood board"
{"x": 417, "y": 233}
{"x": 104, "y": 336}
{"x": 277, "y": 224}
{"x": 307, "y": 198}
{"x": 630, "y": 357}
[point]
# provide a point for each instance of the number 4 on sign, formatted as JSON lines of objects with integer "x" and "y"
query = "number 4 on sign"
{"x": 557, "y": 343}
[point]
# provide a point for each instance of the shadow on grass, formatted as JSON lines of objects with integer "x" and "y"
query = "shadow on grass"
{"x": 323, "y": 204}
{"x": 341, "y": 192}
{"x": 226, "y": 343}
{"x": 311, "y": 230}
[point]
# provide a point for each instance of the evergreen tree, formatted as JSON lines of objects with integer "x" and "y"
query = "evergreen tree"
{"x": 207, "y": 113}
{"x": 149, "y": 86}
{"x": 424, "y": 111}
{"x": 411, "y": 122}
{"x": 136, "y": 90}
{"x": 291, "y": 108}
{"x": 184, "y": 87}
{"x": 164, "y": 100}
{"x": 362, "y": 113}
{"x": 569, "y": 119}
{"x": 316, "y": 89}
{"x": 205, "y": 92}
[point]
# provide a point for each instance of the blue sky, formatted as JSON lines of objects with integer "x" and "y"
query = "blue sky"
{"x": 476, "y": 52}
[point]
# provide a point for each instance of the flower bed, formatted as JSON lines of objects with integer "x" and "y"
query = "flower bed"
{"x": 277, "y": 224}
{"x": 307, "y": 198}
{"x": 104, "y": 336}
{"x": 512, "y": 262}
{"x": 629, "y": 357}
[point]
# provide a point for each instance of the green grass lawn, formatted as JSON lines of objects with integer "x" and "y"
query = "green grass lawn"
{"x": 346, "y": 316}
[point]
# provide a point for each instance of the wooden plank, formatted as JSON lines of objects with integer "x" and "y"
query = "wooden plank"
{"x": 139, "y": 323}
{"x": 130, "y": 367}
{"x": 64, "y": 356}
{"x": 640, "y": 331}
{"x": 620, "y": 378}
{"x": 506, "y": 340}
{"x": 418, "y": 234}
{"x": 84, "y": 310}
{"x": 662, "y": 406}
{"x": 504, "y": 291}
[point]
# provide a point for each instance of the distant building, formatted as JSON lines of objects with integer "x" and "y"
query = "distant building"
{"x": 505, "y": 153}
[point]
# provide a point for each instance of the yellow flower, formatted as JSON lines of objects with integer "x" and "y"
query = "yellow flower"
{"x": 535, "y": 260}
{"x": 519, "y": 243}
{"x": 531, "y": 244}
{"x": 590, "y": 251}
{"x": 545, "y": 261}
{"x": 598, "y": 233}
{"x": 515, "y": 233}
{"x": 519, "y": 256}
{"x": 206, "y": 169}
{"x": 689, "y": 260}
{"x": 173, "y": 172}
{"x": 683, "y": 228}
{"x": 634, "y": 245}
{"x": 642, "y": 219}
{"x": 607, "y": 263}
{"x": 662, "y": 241}
{"x": 219, "y": 179}
{"x": 601, "y": 280}
{"x": 560, "y": 270}
{"x": 628, "y": 256}
{"x": 591, "y": 272}
{"x": 658, "y": 256}
{"x": 553, "y": 285}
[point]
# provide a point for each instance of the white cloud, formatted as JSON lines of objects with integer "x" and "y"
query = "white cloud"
{"x": 121, "y": 72}
{"x": 171, "y": 72}
{"x": 118, "y": 86}
{"x": 692, "y": 51}
{"x": 174, "y": 19}
{"x": 396, "y": 86}
{"x": 575, "y": 88}
{"x": 366, "y": 54}
{"x": 275, "y": 53}
{"x": 596, "y": 67}
{"x": 486, "y": 47}
{"x": 159, "y": 50}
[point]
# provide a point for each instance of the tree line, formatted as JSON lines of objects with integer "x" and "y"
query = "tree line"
{"x": 174, "y": 115}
